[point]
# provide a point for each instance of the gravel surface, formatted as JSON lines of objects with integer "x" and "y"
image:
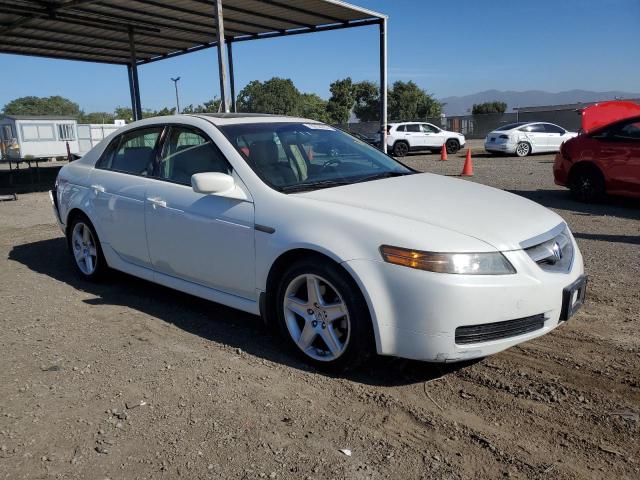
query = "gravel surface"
{"x": 126, "y": 379}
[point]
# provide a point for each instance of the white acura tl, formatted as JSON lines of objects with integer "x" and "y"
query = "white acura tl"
{"x": 343, "y": 248}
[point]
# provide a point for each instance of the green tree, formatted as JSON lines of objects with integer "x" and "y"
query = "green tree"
{"x": 341, "y": 102}
{"x": 278, "y": 96}
{"x": 408, "y": 102}
{"x": 210, "y": 106}
{"x": 314, "y": 107}
{"x": 489, "y": 107}
{"x": 96, "y": 117}
{"x": 367, "y": 101}
{"x": 55, "y": 105}
{"x": 159, "y": 113}
{"x": 123, "y": 113}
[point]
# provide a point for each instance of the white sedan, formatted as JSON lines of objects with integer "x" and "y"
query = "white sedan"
{"x": 344, "y": 249}
{"x": 524, "y": 138}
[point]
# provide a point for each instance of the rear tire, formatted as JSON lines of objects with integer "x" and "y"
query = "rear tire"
{"x": 85, "y": 248}
{"x": 523, "y": 149}
{"x": 323, "y": 315}
{"x": 586, "y": 184}
{"x": 400, "y": 149}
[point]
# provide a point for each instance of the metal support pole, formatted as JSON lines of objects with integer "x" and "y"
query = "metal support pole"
{"x": 232, "y": 80}
{"x": 132, "y": 91}
{"x": 222, "y": 64}
{"x": 383, "y": 83}
{"x": 137, "y": 111}
{"x": 175, "y": 83}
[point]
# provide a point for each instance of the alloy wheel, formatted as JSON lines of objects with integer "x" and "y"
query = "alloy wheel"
{"x": 522, "y": 149}
{"x": 317, "y": 317}
{"x": 84, "y": 248}
{"x": 452, "y": 146}
{"x": 401, "y": 149}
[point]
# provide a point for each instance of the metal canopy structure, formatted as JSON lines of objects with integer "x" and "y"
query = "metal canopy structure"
{"x": 137, "y": 32}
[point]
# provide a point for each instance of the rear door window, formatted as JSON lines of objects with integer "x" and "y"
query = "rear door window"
{"x": 550, "y": 128}
{"x": 413, "y": 127}
{"x": 535, "y": 128}
{"x": 133, "y": 152}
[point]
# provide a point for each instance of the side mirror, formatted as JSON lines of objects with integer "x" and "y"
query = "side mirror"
{"x": 216, "y": 183}
{"x": 212, "y": 183}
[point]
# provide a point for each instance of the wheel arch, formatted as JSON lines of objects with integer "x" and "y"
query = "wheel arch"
{"x": 278, "y": 268}
{"x": 583, "y": 165}
{"x": 72, "y": 215}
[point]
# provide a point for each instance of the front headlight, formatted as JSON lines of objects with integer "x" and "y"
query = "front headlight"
{"x": 490, "y": 263}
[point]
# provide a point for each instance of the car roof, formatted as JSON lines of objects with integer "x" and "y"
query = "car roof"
{"x": 220, "y": 119}
{"x": 237, "y": 118}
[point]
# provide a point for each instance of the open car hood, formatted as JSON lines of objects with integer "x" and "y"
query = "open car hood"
{"x": 604, "y": 113}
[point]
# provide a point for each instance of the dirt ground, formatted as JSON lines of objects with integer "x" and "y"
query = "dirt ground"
{"x": 126, "y": 379}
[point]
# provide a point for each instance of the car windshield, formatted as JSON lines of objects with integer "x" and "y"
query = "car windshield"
{"x": 293, "y": 157}
{"x": 511, "y": 126}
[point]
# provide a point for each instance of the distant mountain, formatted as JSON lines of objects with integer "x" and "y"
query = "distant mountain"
{"x": 531, "y": 98}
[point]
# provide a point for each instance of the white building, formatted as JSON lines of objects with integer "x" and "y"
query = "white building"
{"x": 90, "y": 134}
{"x": 37, "y": 136}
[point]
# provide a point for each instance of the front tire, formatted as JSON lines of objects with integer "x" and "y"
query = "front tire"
{"x": 400, "y": 149}
{"x": 452, "y": 146}
{"x": 85, "y": 247}
{"x": 323, "y": 315}
{"x": 587, "y": 184}
{"x": 523, "y": 149}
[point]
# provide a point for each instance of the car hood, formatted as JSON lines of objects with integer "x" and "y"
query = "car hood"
{"x": 604, "y": 113}
{"x": 496, "y": 217}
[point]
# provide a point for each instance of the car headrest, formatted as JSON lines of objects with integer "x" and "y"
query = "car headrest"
{"x": 264, "y": 153}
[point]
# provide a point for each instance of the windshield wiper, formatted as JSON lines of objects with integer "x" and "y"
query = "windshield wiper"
{"x": 302, "y": 187}
{"x": 379, "y": 176}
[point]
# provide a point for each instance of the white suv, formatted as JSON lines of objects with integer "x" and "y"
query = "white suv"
{"x": 403, "y": 138}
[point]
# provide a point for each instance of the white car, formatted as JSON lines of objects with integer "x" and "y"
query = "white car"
{"x": 406, "y": 137}
{"x": 524, "y": 138}
{"x": 343, "y": 248}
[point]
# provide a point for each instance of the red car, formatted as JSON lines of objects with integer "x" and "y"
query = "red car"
{"x": 605, "y": 157}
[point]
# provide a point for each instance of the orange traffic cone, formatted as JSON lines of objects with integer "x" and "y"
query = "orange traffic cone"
{"x": 467, "y": 170}
{"x": 443, "y": 153}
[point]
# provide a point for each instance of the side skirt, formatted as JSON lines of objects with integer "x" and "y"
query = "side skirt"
{"x": 117, "y": 263}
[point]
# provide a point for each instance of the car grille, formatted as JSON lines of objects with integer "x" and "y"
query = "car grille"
{"x": 554, "y": 255}
{"x": 498, "y": 330}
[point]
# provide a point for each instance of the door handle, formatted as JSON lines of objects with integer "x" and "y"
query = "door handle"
{"x": 157, "y": 202}
{"x": 98, "y": 188}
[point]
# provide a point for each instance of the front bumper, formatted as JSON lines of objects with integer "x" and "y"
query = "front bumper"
{"x": 416, "y": 313}
{"x": 53, "y": 197}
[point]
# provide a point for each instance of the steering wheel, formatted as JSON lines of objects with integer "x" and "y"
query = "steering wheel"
{"x": 329, "y": 163}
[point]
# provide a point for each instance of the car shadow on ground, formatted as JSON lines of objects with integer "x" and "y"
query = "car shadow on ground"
{"x": 621, "y": 207}
{"x": 211, "y": 321}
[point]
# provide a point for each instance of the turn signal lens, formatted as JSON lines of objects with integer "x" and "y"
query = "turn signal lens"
{"x": 490, "y": 263}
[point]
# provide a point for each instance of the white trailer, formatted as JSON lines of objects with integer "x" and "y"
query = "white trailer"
{"x": 37, "y": 136}
{"x": 90, "y": 134}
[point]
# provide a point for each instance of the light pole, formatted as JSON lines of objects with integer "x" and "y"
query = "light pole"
{"x": 175, "y": 83}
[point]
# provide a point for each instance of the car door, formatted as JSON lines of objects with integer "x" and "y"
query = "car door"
{"x": 414, "y": 135}
{"x": 555, "y": 136}
{"x": 204, "y": 239}
{"x": 433, "y": 136}
{"x": 620, "y": 156}
{"x": 118, "y": 185}
{"x": 536, "y": 136}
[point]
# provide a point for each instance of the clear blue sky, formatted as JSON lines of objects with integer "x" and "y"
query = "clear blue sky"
{"x": 447, "y": 47}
